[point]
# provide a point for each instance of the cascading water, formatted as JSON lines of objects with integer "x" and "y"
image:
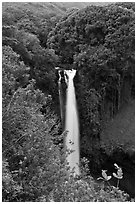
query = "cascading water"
{"x": 60, "y": 97}
{"x": 71, "y": 124}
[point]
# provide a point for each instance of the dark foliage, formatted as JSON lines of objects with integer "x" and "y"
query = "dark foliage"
{"x": 98, "y": 42}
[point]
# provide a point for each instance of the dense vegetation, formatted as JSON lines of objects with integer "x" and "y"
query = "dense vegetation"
{"x": 98, "y": 42}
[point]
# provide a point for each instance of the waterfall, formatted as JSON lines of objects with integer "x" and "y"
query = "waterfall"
{"x": 60, "y": 97}
{"x": 71, "y": 123}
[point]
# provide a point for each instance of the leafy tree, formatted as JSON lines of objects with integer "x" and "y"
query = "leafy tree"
{"x": 10, "y": 188}
{"x": 33, "y": 158}
{"x": 40, "y": 60}
{"x": 26, "y": 33}
{"x": 26, "y": 133}
{"x": 14, "y": 74}
{"x": 80, "y": 33}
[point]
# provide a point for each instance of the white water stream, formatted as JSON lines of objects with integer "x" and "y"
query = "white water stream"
{"x": 60, "y": 97}
{"x": 71, "y": 124}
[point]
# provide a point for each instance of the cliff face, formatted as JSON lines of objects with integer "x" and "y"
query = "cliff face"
{"x": 119, "y": 131}
{"x": 111, "y": 127}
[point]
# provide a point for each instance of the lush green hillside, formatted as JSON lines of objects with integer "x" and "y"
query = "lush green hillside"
{"x": 38, "y": 9}
{"x": 49, "y": 7}
{"x": 98, "y": 41}
{"x": 16, "y": 11}
{"x": 42, "y": 9}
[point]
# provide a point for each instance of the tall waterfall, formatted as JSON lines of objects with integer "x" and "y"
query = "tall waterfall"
{"x": 60, "y": 98}
{"x": 71, "y": 124}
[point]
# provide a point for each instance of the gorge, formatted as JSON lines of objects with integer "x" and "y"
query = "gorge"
{"x": 68, "y": 85}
